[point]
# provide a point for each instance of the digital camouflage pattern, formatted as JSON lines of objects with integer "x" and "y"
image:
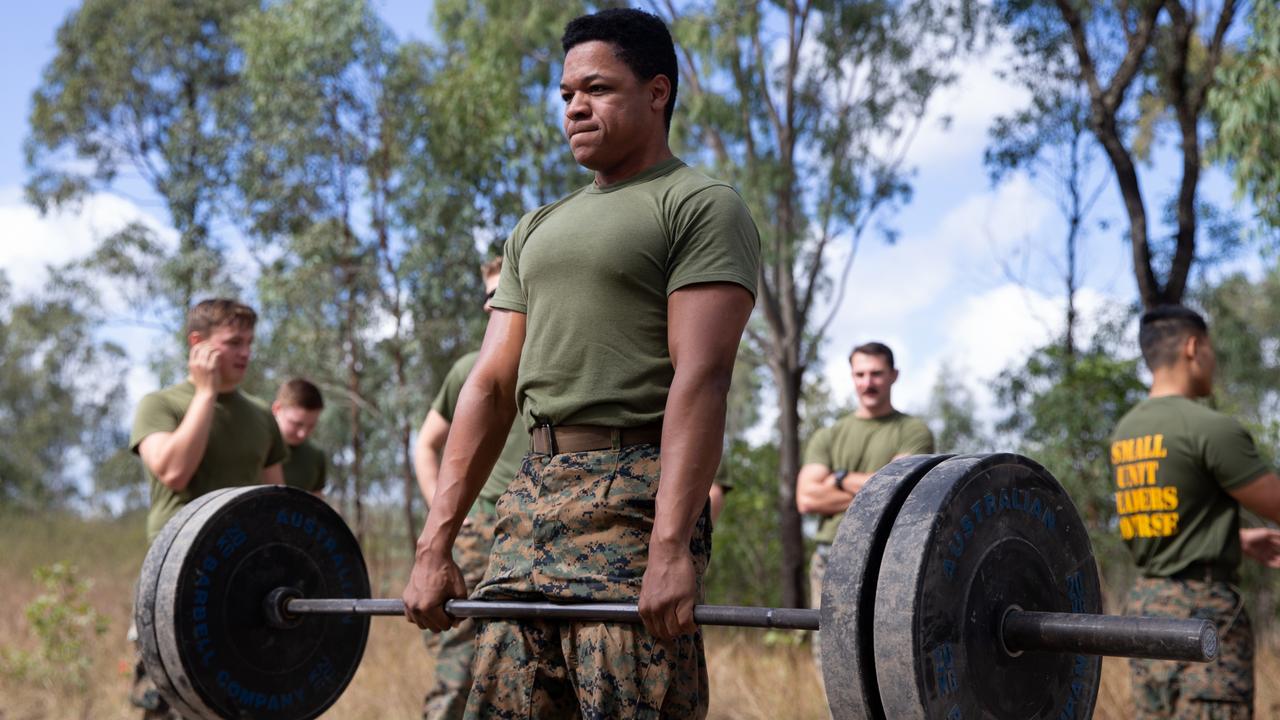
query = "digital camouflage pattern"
{"x": 576, "y": 527}
{"x": 1219, "y": 690}
{"x": 456, "y": 646}
{"x": 595, "y": 671}
{"x": 817, "y": 571}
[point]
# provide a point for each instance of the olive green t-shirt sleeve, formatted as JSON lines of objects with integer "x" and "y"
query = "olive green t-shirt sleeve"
{"x": 511, "y": 294}
{"x": 1230, "y": 453}
{"x": 278, "y": 451}
{"x": 715, "y": 240}
{"x": 818, "y": 451}
{"x": 446, "y": 402}
{"x": 154, "y": 415}
{"x": 917, "y": 439}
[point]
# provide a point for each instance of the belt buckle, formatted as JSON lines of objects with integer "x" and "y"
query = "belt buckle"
{"x": 551, "y": 438}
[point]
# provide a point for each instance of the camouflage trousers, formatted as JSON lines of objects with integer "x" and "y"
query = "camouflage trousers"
{"x": 817, "y": 571}
{"x": 456, "y": 646}
{"x": 1222, "y": 689}
{"x": 576, "y": 527}
{"x": 143, "y": 694}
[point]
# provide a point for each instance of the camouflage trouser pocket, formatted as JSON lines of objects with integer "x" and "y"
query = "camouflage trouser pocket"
{"x": 576, "y": 526}
{"x": 1171, "y": 689}
{"x": 534, "y": 669}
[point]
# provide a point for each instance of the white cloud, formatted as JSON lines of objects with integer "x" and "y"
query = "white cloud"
{"x": 958, "y": 116}
{"x": 30, "y": 242}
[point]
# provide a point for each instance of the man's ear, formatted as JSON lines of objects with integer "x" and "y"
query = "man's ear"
{"x": 1191, "y": 345}
{"x": 275, "y": 407}
{"x": 893, "y": 376}
{"x": 194, "y": 338}
{"x": 659, "y": 92}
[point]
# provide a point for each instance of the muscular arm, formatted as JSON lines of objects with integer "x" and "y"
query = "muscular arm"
{"x": 174, "y": 456}
{"x": 816, "y": 490}
{"x": 1262, "y": 497}
{"x": 426, "y": 453}
{"x": 704, "y": 326}
{"x": 717, "y": 501}
{"x": 480, "y": 424}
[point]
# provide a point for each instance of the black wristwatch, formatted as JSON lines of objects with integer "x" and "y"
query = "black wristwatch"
{"x": 840, "y": 480}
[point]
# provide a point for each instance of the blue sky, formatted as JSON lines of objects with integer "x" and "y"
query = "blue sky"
{"x": 970, "y": 282}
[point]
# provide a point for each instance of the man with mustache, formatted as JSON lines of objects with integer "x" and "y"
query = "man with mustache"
{"x": 839, "y": 459}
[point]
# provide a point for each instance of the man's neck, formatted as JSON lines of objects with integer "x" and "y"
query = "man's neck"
{"x": 221, "y": 389}
{"x": 1171, "y": 383}
{"x": 873, "y": 413}
{"x": 634, "y": 164}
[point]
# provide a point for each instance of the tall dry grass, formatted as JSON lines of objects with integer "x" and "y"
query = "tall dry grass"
{"x": 750, "y": 679}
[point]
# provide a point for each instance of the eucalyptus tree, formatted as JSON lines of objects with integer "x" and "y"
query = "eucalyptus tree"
{"x": 1245, "y": 99}
{"x": 61, "y": 395}
{"x": 144, "y": 91}
{"x": 1049, "y": 140}
{"x": 1147, "y": 67}
{"x": 809, "y": 108}
{"x": 313, "y": 191}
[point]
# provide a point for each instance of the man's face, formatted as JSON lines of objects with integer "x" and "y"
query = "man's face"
{"x": 234, "y": 345}
{"x": 872, "y": 380}
{"x": 296, "y": 423}
{"x": 608, "y": 111}
{"x": 490, "y": 287}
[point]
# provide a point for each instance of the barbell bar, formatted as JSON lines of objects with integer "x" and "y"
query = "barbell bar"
{"x": 957, "y": 587}
{"x": 1020, "y": 630}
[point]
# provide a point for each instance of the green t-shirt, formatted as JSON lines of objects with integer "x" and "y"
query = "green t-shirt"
{"x": 864, "y": 445}
{"x": 592, "y": 272}
{"x": 243, "y": 439}
{"x": 305, "y": 467}
{"x": 513, "y": 452}
{"x": 1173, "y": 461}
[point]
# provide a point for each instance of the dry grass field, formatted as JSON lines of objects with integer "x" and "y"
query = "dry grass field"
{"x": 750, "y": 679}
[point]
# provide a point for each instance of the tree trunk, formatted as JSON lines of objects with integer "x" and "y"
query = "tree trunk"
{"x": 353, "y": 400}
{"x": 410, "y": 489}
{"x": 794, "y": 588}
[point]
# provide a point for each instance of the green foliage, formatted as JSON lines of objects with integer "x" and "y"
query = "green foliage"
{"x": 1244, "y": 317}
{"x": 61, "y": 391}
{"x": 746, "y": 557}
{"x": 64, "y": 623}
{"x": 1061, "y": 410}
{"x": 1245, "y": 101}
{"x": 952, "y": 415}
{"x": 145, "y": 88}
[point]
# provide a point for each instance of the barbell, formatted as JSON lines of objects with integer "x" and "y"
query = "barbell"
{"x": 957, "y": 587}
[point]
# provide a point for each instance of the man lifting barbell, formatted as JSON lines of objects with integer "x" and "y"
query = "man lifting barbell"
{"x": 615, "y": 326}
{"x": 958, "y": 587}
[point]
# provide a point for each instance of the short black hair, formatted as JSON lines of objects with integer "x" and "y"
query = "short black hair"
{"x": 642, "y": 43}
{"x": 878, "y": 349}
{"x": 1162, "y": 331}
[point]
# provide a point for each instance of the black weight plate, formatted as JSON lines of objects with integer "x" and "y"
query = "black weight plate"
{"x": 223, "y": 657}
{"x": 977, "y": 535}
{"x": 145, "y": 600}
{"x": 849, "y": 588}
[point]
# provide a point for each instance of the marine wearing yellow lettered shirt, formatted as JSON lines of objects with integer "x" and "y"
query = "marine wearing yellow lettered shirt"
{"x": 1173, "y": 461}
